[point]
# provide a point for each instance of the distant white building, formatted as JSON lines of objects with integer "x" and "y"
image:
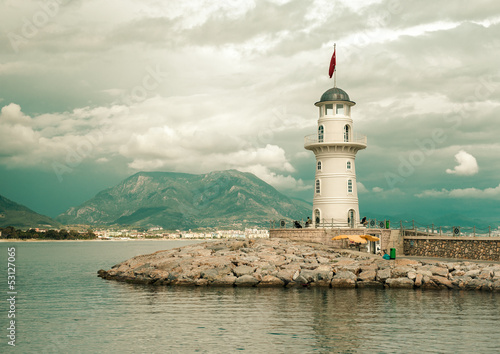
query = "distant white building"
{"x": 335, "y": 202}
{"x": 256, "y": 233}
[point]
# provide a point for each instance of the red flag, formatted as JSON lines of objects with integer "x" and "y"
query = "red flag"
{"x": 333, "y": 62}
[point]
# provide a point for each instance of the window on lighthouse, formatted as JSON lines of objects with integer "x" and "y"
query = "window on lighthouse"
{"x": 340, "y": 108}
{"x": 348, "y": 165}
{"x": 346, "y": 133}
{"x": 349, "y": 186}
{"x": 318, "y": 186}
{"x": 329, "y": 109}
{"x": 321, "y": 131}
{"x": 319, "y": 165}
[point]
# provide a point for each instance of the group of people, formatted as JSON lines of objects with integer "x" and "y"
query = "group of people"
{"x": 297, "y": 224}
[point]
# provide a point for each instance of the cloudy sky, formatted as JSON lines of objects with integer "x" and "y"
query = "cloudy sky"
{"x": 92, "y": 92}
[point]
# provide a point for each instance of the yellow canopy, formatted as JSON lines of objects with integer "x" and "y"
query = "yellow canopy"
{"x": 353, "y": 238}
{"x": 370, "y": 237}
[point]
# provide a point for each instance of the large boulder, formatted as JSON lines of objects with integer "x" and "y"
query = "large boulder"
{"x": 400, "y": 283}
{"x": 401, "y": 272}
{"x": 344, "y": 279}
{"x": 435, "y": 270}
{"x": 367, "y": 275}
{"x": 243, "y": 270}
{"x": 442, "y": 281}
{"x": 246, "y": 280}
{"x": 224, "y": 280}
{"x": 270, "y": 281}
{"x": 383, "y": 274}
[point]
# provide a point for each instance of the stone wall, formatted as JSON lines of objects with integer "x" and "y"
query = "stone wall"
{"x": 388, "y": 238}
{"x": 474, "y": 248}
{"x": 305, "y": 235}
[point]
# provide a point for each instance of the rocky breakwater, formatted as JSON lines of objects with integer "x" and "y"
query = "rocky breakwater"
{"x": 283, "y": 263}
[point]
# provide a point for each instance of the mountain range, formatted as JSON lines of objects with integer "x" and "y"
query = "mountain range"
{"x": 188, "y": 201}
{"x": 17, "y": 215}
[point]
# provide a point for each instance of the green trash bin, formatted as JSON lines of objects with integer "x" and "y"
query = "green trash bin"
{"x": 393, "y": 253}
{"x": 388, "y": 224}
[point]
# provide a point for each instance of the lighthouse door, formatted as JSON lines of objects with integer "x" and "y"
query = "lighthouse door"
{"x": 351, "y": 218}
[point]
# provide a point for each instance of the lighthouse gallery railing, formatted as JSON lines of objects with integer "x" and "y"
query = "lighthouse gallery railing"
{"x": 334, "y": 138}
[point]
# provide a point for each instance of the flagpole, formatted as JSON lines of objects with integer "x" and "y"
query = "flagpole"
{"x": 335, "y": 70}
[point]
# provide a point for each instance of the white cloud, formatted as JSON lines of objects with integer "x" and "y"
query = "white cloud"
{"x": 280, "y": 182}
{"x": 143, "y": 140}
{"x": 467, "y": 164}
{"x": 361, "y": 188}
{"x": 474, "y": 193}
{"x": 377, "y": 189}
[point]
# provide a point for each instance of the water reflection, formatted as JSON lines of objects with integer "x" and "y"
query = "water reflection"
{"x": 64, "y": 307}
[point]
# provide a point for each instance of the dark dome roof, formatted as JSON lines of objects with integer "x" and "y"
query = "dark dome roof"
{"x": 335, "y": 94}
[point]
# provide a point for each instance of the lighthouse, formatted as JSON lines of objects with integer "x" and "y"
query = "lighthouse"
{"x": 335, "y": 144}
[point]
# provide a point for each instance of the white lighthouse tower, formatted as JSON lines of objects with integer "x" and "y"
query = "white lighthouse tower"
{"x": 335, "y": 145}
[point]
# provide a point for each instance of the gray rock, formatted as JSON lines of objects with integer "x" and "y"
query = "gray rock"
{"x": 458, "y": 273}
{"x": 401, "y": 272}
{"x": 301, "y": 280}
{"x": 269, "y": 281}
{"x": 343, "y": 283}
{"x": 246, "y": 280}
{"x": 344, "y": 279}
{"x": 478, "y": 284}
{"x": 225, "y": 280}
{"x": 418, "y": 280}
{"x": 383, "y": 274}
{"x": 400, "y": 283}
{"x": 441, "y": 271}
{"x": 353, "y": 268}
{"x": 474, "y": 273}
{"x": 442, "y": 281}
{"x": 243, "y": 270}
{"x": 367, "y": 275}
{"x": 211, "y": 274}
{"x": 495, "y": 285}
{"x": 485, "y": 274}
{"x": 309, "y": 275}
{"x": 370, "y": 284}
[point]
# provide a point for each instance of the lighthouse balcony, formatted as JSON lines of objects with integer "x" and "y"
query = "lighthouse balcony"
{"x": 314, "y": 140}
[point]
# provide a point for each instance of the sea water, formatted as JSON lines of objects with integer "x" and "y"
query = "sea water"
{"x": 63, "y": 307}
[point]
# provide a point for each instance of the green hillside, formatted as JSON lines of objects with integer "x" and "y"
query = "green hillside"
{"x": 17, "y": 215}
